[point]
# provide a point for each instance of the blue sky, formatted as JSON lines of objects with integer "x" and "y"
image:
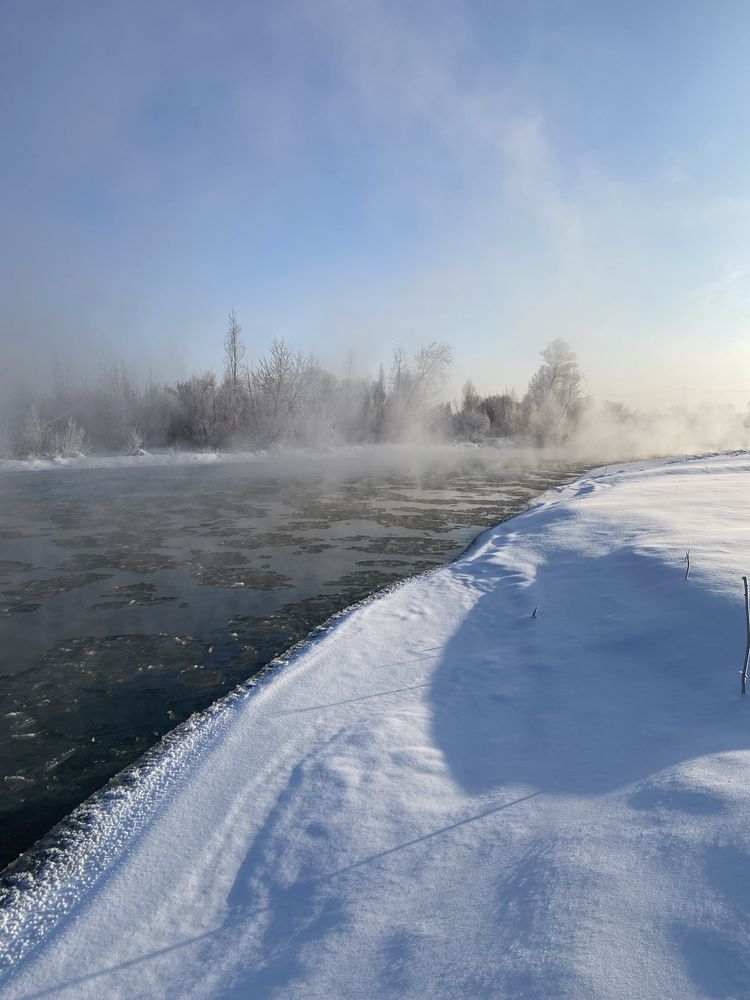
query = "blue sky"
{"x": 352, "y": 175}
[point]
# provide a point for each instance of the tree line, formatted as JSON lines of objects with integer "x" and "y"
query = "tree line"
{"x": 287, "y": 399}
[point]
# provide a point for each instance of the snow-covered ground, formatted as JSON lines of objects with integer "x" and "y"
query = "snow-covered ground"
{"x": 444, "y": 796}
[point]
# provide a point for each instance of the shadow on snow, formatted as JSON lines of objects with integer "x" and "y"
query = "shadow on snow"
{"x": 627, "y": 669}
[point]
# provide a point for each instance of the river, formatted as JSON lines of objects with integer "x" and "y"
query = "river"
{"x": 131, "y": 597}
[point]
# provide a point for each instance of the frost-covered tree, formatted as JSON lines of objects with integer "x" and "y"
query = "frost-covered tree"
{"x": 470, "y": 398}
{"x": 503, "y": 413}
{"x": 32, "y": 434}
{"x": 553, "y": 402}
{"x": 197, "y": 417}
{"x": 471, "y": 422}
{"x": 413, "y": 387}
{"x": 68, "y": 439}
{"x": 60, "y": 436}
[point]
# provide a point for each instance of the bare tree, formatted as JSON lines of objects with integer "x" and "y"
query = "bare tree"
{"x": 431, "y": 364}
{"x": 197, "y": 399}
{"x": 234, "y": 354}
{"x": 413, "y": 387}
{"x": 400, "y": 372}
{"x": 277, "y": 384}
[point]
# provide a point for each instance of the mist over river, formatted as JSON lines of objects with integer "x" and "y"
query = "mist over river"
{"x": 131, "y": 597}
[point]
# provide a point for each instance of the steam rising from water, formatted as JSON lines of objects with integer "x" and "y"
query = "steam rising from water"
{"x": 608, "y": 433}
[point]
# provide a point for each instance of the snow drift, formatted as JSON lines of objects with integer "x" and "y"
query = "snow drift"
{"x": 447, "y": 796}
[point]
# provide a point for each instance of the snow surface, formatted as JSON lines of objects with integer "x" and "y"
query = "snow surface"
{"x": 444, "y": 796}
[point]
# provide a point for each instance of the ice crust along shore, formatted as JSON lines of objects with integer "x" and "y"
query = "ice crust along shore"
{"x": 446, "y": 797}
{"x": 42, "y": 463}
{"x": 173, "y": 457}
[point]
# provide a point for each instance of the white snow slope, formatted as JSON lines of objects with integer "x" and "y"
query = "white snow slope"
{"x": 446, "y": 797}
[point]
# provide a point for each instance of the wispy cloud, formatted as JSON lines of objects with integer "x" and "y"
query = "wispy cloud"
{"x": 491, "y": 174}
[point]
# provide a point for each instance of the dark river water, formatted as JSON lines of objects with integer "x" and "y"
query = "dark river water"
{"x": 133, "y": 597}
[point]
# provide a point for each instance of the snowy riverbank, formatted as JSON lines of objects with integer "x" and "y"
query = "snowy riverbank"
{"x": 445, "y": 796}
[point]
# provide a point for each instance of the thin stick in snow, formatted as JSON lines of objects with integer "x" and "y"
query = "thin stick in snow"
{"x": 747, "y": 646}
{"x": 535, "y": 611}
{"x": 687, "y": 560}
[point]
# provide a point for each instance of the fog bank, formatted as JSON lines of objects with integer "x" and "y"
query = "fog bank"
{"x": 286, "y": 402}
